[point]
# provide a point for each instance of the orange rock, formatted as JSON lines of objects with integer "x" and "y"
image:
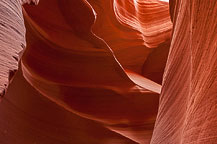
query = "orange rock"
{"x": 94, "y": 71}
{"x": 71, "y": 60}
{"x": 73, "y": 63}
{"x": 29, "y": 118}
{"x": 187, "y": 111}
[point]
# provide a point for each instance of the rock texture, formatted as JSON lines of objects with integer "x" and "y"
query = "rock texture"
{"x": 34, "y": 2}
{"x": 27, "y": 117}
{"x": 12, "y": 40}
{"x": 92, "y": 72}
{"x": 188, "y": 102}
{"x": 71, "y": 60}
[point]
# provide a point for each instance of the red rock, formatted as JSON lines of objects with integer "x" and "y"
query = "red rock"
{"x": 187, "y": 111}
{"x": 94, "y": 69}
{"x": 71, "y": 65}
{"x": 28, "y": 117}
{"x": 94, "y": 85}
{"x": 131, "y": 30}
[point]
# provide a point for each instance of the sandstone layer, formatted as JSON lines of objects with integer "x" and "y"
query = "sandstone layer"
{"x": 108, "y": 72}
{"x": 188, "y": 102}
{"x": 12, "y": 40}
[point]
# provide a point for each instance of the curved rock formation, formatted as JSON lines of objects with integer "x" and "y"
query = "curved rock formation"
{"x": 97, "y": 68}
{"x": 29, "y": 118}
{"x": 69, "y": 63}
{"x": 12, "y": 40}
{"x": 76, "y": 69}
{"x": 188, "y": 102}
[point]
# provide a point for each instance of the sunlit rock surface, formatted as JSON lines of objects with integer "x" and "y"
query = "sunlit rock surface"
{"x": 188, "y": 101}
{"x": 12, "y": 41}
{"x": 92, "y": 72}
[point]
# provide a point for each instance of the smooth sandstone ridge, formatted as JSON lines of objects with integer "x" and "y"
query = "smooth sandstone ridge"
{"x": 108, "y": 72}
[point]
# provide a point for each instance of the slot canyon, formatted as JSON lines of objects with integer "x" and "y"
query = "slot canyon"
{"x": 108, "y": 72}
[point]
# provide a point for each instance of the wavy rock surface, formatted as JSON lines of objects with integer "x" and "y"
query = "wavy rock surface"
{"x": 188, "y": 102}
{"x": 29, "y": 118}
{"x": 70, "y": 64}
{"x": 95, "y": 68}
{"x": 76, "y": 69}
{"x": 12, "y": 40}
{"x": 133, "y": 30}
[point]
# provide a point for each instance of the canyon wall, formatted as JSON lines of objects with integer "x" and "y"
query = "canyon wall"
{"x": 112, "y": 71}
{"x": 188, "y": 102}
